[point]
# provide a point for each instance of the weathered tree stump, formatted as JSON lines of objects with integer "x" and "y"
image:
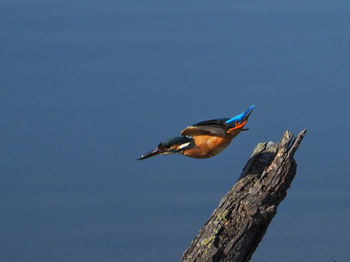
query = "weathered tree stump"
{"x": 236, "y": 227}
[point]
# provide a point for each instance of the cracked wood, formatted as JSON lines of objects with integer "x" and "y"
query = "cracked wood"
{"x": 236, "y": 227}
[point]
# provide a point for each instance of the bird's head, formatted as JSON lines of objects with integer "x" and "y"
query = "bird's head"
{"x": 171, "y": 146}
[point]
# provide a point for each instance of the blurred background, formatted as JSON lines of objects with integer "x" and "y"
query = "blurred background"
{"x": 88, "y": 86}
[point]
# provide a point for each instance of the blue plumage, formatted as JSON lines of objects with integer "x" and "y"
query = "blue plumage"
{"x": 227, "y": 122}
{"x": 241, "y": 116}
{"x": 204, "y": 139}
{"x": 178, "y": 140}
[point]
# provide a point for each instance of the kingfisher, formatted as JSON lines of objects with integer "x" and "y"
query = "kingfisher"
{"x": 204, "y": 139}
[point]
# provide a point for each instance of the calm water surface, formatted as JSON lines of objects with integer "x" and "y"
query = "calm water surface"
{"x": 86, "y": 86}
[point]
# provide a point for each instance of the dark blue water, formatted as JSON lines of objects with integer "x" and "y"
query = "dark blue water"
{"x": 87, "y": 86}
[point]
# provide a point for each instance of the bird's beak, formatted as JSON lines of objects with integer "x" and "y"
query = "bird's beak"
{"x": 155, "y": 152}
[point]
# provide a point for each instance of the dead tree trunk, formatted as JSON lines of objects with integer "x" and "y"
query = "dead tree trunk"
{"x": 236, "y": 227}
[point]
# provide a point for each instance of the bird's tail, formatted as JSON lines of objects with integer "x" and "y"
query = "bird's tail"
{"x": 241, "y": 117}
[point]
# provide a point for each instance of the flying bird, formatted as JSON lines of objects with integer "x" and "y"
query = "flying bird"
{"x": 204, "y": 139}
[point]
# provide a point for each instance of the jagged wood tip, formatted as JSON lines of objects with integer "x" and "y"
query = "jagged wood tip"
{"x": 236, "y": 227}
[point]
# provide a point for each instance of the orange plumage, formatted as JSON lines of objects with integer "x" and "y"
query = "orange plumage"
{"x": 204, "y": 139}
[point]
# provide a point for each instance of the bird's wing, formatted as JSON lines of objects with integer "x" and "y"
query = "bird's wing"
{"x": 219, "y": 127}
{"x": 213, "y": 122}
{"x": 215, "y": 127}
{"x": 204, "y": 130}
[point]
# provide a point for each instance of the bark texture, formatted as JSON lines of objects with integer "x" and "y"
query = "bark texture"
{"x": 236, "y": 227}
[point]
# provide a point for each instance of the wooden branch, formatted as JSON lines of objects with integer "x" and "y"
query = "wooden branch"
{"x": 236, "y": 227}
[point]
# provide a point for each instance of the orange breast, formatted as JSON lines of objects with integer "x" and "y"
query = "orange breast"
{"x": 207, "y": 146}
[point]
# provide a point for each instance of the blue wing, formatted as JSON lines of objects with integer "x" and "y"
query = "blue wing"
{"x": 216, "y": 127}
{"x": 226, "y": 121}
